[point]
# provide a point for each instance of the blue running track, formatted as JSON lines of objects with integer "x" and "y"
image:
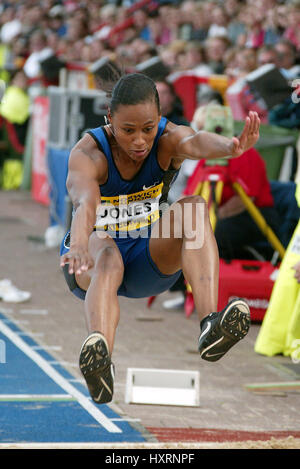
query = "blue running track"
{"x": 40, "y": 402}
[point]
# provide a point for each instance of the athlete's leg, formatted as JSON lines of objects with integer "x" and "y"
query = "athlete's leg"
{"x": 102, "y": 315}
{"x": 101, "y": 283}
{"x": 183, "y": 238}
{"x": 196, "y": 252}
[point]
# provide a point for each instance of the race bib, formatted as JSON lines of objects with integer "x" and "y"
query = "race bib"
{"x": 129, "y": 212}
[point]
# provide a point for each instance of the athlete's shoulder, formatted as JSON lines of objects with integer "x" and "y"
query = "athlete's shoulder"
{"x": 169, "y": 142}
{"x": 172, "y": 135}
{"x": 176, "y": 131}
{"x": 86, "y": 156}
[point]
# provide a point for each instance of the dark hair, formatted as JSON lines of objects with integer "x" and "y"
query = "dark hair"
{"x": 134, "y": 88}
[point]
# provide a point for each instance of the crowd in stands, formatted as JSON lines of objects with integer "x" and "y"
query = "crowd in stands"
{"x": 229, "y": 37}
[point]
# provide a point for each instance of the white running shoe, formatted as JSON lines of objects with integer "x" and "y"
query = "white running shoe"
{"x": 11, "y": 294}
{"x": 174, "y": 303}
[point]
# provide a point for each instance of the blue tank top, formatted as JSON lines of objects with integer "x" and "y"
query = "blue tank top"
{"x": 129, "y": 205}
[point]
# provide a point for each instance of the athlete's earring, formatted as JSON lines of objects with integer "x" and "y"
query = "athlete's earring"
{"x": 108, "y": 123}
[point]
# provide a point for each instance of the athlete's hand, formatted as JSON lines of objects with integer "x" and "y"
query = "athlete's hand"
{"x": 79, "y": 260}
{"x": 248, "y": 137}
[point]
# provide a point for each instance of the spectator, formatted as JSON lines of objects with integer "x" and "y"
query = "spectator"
{"x": 140, "y": 22}
{"x": 185, "y": 29}
{"x": 159, "y": 32}
{"x": 11, "y": 26}
{"x": 169, "y": 54}
{"x": 230, "y": 61}
{"x": 169, "y": 57}
{"x": 192, "y": 59}
{"x": 108, "y": 15}
{"x": 74, "y": 50}
{"x": 292, "y": 31}
{"x": 170, "y": 103}
{"x": 254, "y": 35}
{"x": 235, "y": 27}
{"x": 18, "y": 52}
{"x": 219, "y": 23}
{"x": 208, "y": 8}
{"x": 57, "y": 20}
{"x": 97, "y": 49}
{"x": 286, "y": 58}
{"x": 267, "y": 55}
{"x": 39, "y": 51}
{"x": 171, "y": 18}
{"x": 246, "y": 61}
{"x": 232, "y": 8}
{"x": 215, "y": 48}
{"x": 15, "y": 105}
{"x": 14, "y": 117}
{"x": 77, "y": 28}
{"x": 200, "y": 25}
{"x": 271, "y": 27}
{"x": 143, "y": 50}
{"x": 170, "y": 21}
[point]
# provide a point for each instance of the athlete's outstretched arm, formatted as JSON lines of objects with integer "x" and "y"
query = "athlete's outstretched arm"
{"x": 210, "y": 145}
{"x": 83, "y": 188}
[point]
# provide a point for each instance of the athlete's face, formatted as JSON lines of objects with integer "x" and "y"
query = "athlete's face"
{"x": 135, "y": 127}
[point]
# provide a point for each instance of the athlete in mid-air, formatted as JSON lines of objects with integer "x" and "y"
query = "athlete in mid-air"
{"x": 122, "y": 244}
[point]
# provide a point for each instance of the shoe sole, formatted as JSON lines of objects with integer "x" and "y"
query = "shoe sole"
{"x": 234, "y": 325}
{"x": 97, "y": 369}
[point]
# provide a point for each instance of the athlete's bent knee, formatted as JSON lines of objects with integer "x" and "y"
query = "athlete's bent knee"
{"x": 109, "y": 261}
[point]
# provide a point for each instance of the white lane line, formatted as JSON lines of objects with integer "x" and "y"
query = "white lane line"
{"x": 23, "y": 322}
{"x": 42, "y": 312}
{"x": 56, "y": 363}
{"x": 36, "y": 397}
{"x": 77, "y": 380}
{"x": 7, "y": 310}
{"x": 60, "y": 380}
{"x": 126, "y": 420}
{"x": 47, "y": 347}
{"x": 30, "y": 334}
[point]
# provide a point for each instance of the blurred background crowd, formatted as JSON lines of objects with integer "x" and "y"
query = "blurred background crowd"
{"x": 204, "y": 38}
{"x": 231, "y": 37}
